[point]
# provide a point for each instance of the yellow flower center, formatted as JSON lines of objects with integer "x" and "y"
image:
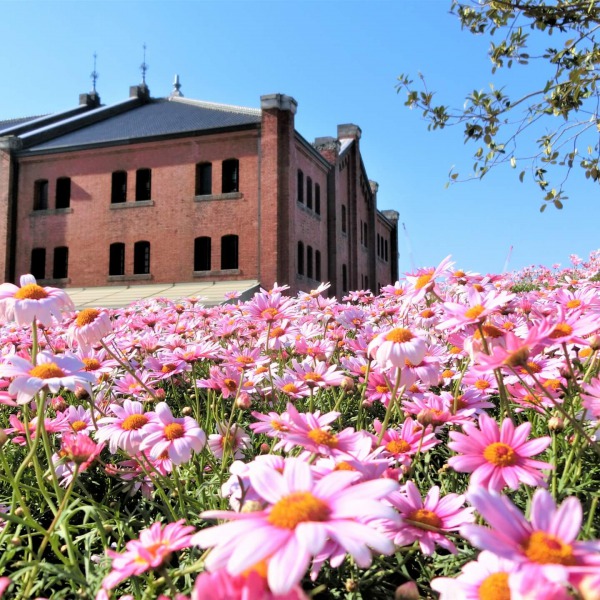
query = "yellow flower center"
{"x": 426, "y": 517}
{"x": 244, "y": 360}
{"x": 344, "y": 466}
{"x": 167, "y": 368}
{"x": 298, "y": 507}
{"x": 482, "y": 384}
{"x": 135, "y": 421}
{"x": 78, "y": 425}
{"x": 87, "y": 316}
{"x": 174, "y": 431}
{"x": 277, "y": 426}
{"x": 423, "y": 280}
{"x": 495, "y": 587}
{"x": 269, "y": 314}
{"x": 399, "y": 335}
{"x": 91, "y": 364}
{"x": 459, "y": 273}
{"x": 397, "y": 446}
{"x": 382, "y": 389}
{"x": 447, "y": 373}
{"x": 47, "y": 371}
{"x": 276, "y": 332}
{"x": 561, "y": 330}
{"x": 290, "y": 388}
{"x": 500, "y": 454}
{"x": 517, "y": 358}
{"x": 455, "y": 350}
{"x": 31, "y": 291}
{"x": 544, "y": 548}
{"x": 324, "y": 438}
{"x": 312, "y": 376}
{"x": 427, "y": 313}
{"x": 474, "y": 311}
{"x": 573, "y": 303}
{"x": 230, "y": 384}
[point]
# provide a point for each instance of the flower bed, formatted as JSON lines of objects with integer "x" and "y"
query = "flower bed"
{"x": 440, "y": 438}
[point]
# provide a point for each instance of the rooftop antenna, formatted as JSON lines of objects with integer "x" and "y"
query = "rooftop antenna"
{"x": 94, "y": 75}
{"x": 505, "y": 269}
{"x": 144, "y": 67}
{"x": 410, "y": 250}
{"x": 176, "y": 88}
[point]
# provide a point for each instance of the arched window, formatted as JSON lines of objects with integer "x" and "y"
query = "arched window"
{"x": 344, "y": 278}
{"x": 143, "y": 184}
{"x": 40, "y": 194}
{"x": 344, "y": 219}
{"x": 230, "y": 176}
{"x": 309, "y": 193}
{"x": 300, "y": 190}
{"x": 203, "y": 179}
{"x": 229, "y": 252}
{"x": 60, "y": 269}
{"x": 317, "y": 265}
{"x": 309, "y": 261}
{"x": 116, "y": 259}
{"x": 38, "y": 263}
{"x": 63, "y": 192}
{"x": 141, "y": 258}
{"x": 317, "y": 198}
{"x": 118, "y": 191}
{"x": 202, "y": 254}
{"x": 300, "y": 258}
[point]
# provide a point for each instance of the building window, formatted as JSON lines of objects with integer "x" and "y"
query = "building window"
{"x": 229, "y": 252}
{"x": 317, "y": 198}
{"x": 300, "y": 186}
{"x": 300, "y": 259}
{"x": 141, "y": 258}
{"x": 202, "y": 254}
{"x": 40, "y": 194}
{"x": 365, "y": 234}
{"x": 366, "y": 282}
{"x": 309, "y": 193}
{"x": 60, "y": 269}
{"x": 386, "y": 250}
{"x": 344, "y": 219}
{"x": 344, "y": 278}
{"x": 317, "y": 265}
{"x": 309, "y": 261}
{"x": 38, "y": 263}
{"x": 119, "y": 187}
{"x": 116, "y": 259}
{"x": 230, "y": 177}
{"x": 143, "y": 184}
{"x": 63, "y": 192}
{"x": 203, "y": 179}
{"x": 362, "y": 237}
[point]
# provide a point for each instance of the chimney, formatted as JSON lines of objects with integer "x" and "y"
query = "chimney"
{"x": 140, "y": 91}
{"x": 91, "y": 100}
{"x": 348, "y": 130}
{"x": 328, "y": 147}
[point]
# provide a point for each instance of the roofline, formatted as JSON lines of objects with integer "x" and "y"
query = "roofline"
{"x": 384, "y": 218}
{"x": 44, "y": 121}
{"x": 255, "y": 112}
{"x": 78, "y": 121}
{"x": 312, "y": 150}
{"x": 153, "y": 138}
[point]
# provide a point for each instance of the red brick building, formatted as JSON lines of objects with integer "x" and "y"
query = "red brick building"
{"x": 157, "y": 190}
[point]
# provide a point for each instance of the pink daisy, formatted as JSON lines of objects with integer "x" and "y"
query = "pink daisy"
{"x": 427, "y": 521}
{"x": 51, "y": 372}
{"x": 32, "y": 301}
{"x": 302, "y": 515}
{"x": 496, "y": 456}
{"x": 150, "y": 551}
{"x": 89, "y": 327}
{"x": 394, "y": 347}
{"x": 234, "y": 441}
{"x": 175, "y": 437}
{"x": 547, "y": 542}
{"x": 124, "y": 430}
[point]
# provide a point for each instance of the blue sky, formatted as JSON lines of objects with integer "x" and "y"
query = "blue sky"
{"x": 340, "y": 59}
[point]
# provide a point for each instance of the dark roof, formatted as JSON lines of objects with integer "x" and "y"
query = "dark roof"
{"x": 157, "y": 118}
{"x": 10, "y": 123}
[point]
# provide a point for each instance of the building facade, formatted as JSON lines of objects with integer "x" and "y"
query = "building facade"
{"x": 157, "y": 190}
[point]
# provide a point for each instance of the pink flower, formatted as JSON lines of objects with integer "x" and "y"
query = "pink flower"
{"x": 393, "y": 348}
{"x": 51, "y": 372}
{"x": 31, "y": 301}
{"x": 150, "y": 551}
{"x": 302, "y": 515}
{"x": 80, "y": 449}
{"x": 233, "y": 441}
{"x": 498, "y": 457}
{"x": 176, "y": 437}
{"x": 125, "y": 429}
{"x": 220, "y": 585}
{"x": 427, "y": 521}
{"x": 423, "y": 280}
{"x": 89, "y": 327}
{"x": 547, "y": 542}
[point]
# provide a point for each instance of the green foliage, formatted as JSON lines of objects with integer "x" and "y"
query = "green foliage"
{"x": 564, "y": 107}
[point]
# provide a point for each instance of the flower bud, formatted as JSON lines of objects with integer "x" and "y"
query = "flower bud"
{"x": 186, "y": 411}
{"x": 243, "y": 401}
{"x": 556, "y": 424}
{"x": 407, "y": 591}
{"x": 58, "y": 403}
{"x": 347, "y": 384}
